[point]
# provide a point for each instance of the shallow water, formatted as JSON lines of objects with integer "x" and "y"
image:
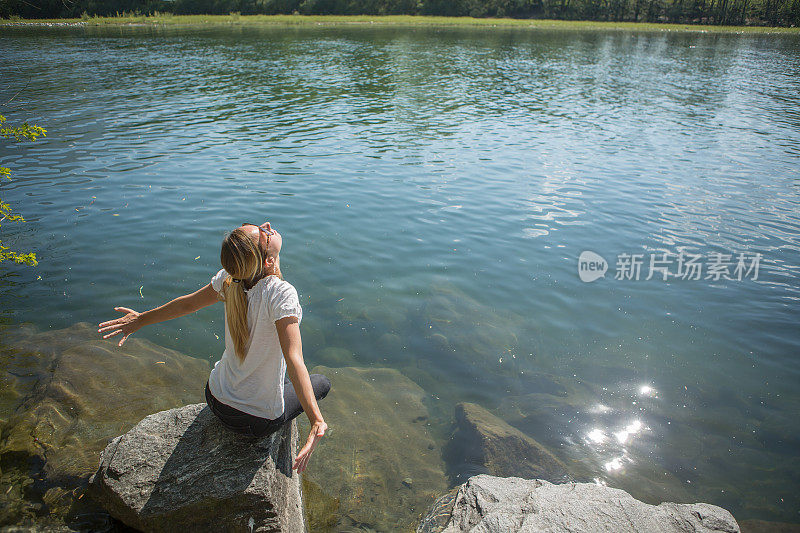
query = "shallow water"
{"x": 435, "y": 188}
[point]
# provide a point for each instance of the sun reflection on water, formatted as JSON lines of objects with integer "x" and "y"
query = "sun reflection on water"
{"x": 616, "y": 463}
{"x": 613, "y": 431}
{"x": 631, "y": 429}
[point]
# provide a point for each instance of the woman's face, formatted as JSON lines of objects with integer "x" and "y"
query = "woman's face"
{"x": 266, "y": 236}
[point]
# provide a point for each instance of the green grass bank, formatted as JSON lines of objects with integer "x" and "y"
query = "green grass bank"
{"x": 167, "y": 19}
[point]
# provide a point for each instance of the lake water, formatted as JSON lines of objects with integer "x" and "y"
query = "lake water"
{"x": 435, "y": 189}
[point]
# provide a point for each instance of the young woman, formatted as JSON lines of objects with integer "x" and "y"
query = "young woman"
{"x": 247, "y": 389}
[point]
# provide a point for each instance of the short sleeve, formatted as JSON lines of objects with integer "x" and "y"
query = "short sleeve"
{"x": 284, "y": 302}
{"x": 218, "y": 280}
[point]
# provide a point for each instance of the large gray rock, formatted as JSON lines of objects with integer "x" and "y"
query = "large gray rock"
{"x": 484, "y": 443}
{"x": 182, "y": 470}
{"x": 490, "y": 504}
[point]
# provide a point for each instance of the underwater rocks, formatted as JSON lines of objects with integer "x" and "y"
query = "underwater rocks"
{"x": 464, "y": 333}
{"x": 378, "y": 457}
{"x": 90, "y": 390}
{"x": 181, "y": 469}
{"x": 765, "y": 526}
{"x": 64, "y": 394}
{"x": 320, "y": 509}
{"x": 484, "y": 441}
{"x": 497, "y": 505}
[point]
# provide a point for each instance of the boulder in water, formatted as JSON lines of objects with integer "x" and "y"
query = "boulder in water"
{"x": 498, "y": 505}
{"x": 182, "y": 470}
{"x": 484, "y": 442}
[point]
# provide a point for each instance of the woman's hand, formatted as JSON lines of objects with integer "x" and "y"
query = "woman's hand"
{"x": 126, "y": 324}
{"x": 314, "y": 436}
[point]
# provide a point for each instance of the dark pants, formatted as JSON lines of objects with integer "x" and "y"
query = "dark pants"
{"x": 255, "y": 426}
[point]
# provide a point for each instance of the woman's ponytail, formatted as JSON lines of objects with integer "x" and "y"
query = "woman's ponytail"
{"x": 236, "y": 313}
{"x": 242, "y": 260}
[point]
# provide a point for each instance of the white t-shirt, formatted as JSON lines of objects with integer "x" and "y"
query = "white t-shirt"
{"x": 256, "y": 386}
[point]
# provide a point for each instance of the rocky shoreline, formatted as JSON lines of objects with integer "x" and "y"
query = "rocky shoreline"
{"x": 180, "y": 470}
{"x": 70, "y": 401}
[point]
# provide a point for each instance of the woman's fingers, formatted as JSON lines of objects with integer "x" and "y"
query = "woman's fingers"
{"x": 116, "y": 320}
{"x": 302, "y": 457}
{"x": 304, "y": 462}
{"x": 300, "y": 462}
{"x": 111, "y": 325}
{"x": 124, "y": 324}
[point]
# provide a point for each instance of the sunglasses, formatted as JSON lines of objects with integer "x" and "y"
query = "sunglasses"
{"x": 263, "y": 230}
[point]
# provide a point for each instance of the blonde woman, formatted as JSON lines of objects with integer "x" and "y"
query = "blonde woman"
{"x": 248, "y": 389}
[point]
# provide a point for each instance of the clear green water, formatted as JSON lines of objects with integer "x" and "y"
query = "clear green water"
{"x": 435, "y": 188}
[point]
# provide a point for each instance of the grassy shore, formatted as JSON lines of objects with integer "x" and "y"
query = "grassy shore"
{"x": 168, "y": 19}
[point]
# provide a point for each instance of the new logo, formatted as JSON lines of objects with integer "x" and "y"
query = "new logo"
{"x": 591, "y": 266}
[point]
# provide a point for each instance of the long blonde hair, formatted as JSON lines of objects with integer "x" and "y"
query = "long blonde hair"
{"x": 243, "y": 261}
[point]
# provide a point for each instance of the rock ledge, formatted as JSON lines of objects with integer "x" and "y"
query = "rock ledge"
{"x": 498, "y": 505}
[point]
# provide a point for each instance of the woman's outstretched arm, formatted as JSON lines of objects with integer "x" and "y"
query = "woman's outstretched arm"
{"x": 180, "y": 306}
{"x": 291, "y": 345}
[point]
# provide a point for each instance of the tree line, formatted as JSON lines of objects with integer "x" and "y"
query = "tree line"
{"x": 722, "y": 12}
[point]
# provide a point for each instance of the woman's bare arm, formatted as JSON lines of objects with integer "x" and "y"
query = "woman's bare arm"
{"x": 291, "y": 345}
{"x": 180, "y": 306}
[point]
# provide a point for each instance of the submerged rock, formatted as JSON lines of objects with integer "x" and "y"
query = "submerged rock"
{"x": 335, "y": 356}
{"x": 484, "y": 440}
{"x": 181, "y": 469}
{"x": 498, "y": 505}
{"x": 25, "y": 357}
{"x": 765, "y": 526}
{"x": 38, "y": 529}
{"x": 479, "y": 337}
{"x": 378, "y": 438}
{"x": 439, "y": 514}
{"x": 321, "y": 510}
{"x": 64, "y": 394}
{"x": 93, "y": 390}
